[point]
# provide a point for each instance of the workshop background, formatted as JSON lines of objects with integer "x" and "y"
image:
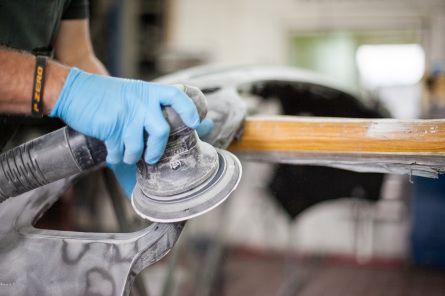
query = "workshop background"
{"x": 384, "y": 238}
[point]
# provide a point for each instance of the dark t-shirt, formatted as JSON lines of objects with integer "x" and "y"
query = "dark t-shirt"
{"x": 32, "y": 25}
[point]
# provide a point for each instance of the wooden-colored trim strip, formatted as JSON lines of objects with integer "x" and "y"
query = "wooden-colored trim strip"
{"x": 341, "y": 135}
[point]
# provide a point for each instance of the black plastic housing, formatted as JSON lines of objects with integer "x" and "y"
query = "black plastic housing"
{"x": 46, "y": 159}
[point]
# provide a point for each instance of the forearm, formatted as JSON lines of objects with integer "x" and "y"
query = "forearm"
{"x": 16, "y": 82}
{"x": 90, "y": 64}
{"x": 82, "y": 54}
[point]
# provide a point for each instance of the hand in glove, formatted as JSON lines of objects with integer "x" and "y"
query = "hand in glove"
{"x": 126, "y": 174}
{"x": 117, "y": 111}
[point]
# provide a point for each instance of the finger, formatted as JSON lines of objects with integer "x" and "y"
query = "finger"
{"x": 179, "y": 86}
{"x": 158, "y": 131}
{"x": 205, "y": 127}
{"x": 134, "y": 142}
{"x": 115, "y": 150}
{"x": 126, "y": 176}
{"x": 178, "y": 100}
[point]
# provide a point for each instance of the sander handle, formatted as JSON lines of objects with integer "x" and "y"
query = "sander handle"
{"x": 51, "y": 157}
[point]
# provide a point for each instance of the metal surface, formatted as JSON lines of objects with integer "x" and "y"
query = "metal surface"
{"x": 193, "y": 202}
{"x": 413, "y": 165}
{"x": 217, "y": 78}
{"x": 48, "y": 262}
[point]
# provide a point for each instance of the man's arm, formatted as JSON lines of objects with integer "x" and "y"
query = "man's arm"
{"x": 17, "y": 68}
{"x": 113, "y": 110}
{"x": 16, "y": 80}
{"x": 73, "y": 47}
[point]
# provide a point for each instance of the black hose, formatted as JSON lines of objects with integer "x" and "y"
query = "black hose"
{"x": 46, "y": 159}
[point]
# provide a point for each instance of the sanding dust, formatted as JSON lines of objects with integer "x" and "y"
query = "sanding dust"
{"x": 397, "y": 130}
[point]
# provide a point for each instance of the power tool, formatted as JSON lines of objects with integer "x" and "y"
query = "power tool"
{"x": 191, "y": 178}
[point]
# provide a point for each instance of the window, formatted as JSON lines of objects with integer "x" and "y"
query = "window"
{"x": 390, "y": 65}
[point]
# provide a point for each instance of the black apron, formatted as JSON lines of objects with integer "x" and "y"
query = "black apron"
{"x": 31, "y": 25}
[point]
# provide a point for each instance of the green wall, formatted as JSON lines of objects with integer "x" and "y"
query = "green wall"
{"x": 334, "y": 53}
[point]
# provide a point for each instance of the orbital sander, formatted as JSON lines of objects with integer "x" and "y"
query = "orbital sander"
{"x": 191, "y": 178}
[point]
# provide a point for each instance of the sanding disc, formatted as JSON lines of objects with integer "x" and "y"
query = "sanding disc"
{"x": 193, "y": 202}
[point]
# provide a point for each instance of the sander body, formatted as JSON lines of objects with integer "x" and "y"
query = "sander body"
{"x": 191, "y": 178}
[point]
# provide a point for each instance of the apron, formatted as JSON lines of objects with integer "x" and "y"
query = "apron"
{"x": 31, "y": 25}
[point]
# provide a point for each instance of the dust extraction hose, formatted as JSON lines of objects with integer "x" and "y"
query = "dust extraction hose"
{"x": 46, "y": 159}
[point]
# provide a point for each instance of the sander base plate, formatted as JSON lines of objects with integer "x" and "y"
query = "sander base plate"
{"x": 196, "y": 201}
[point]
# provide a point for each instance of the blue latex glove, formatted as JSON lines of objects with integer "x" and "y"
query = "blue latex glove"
{"x": 126, "y": 174}
{"x": 205, "y": 127}
{"x": 116, "y": 111}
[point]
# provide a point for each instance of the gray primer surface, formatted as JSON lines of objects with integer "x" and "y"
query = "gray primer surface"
{"x": 49, "y": 262}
